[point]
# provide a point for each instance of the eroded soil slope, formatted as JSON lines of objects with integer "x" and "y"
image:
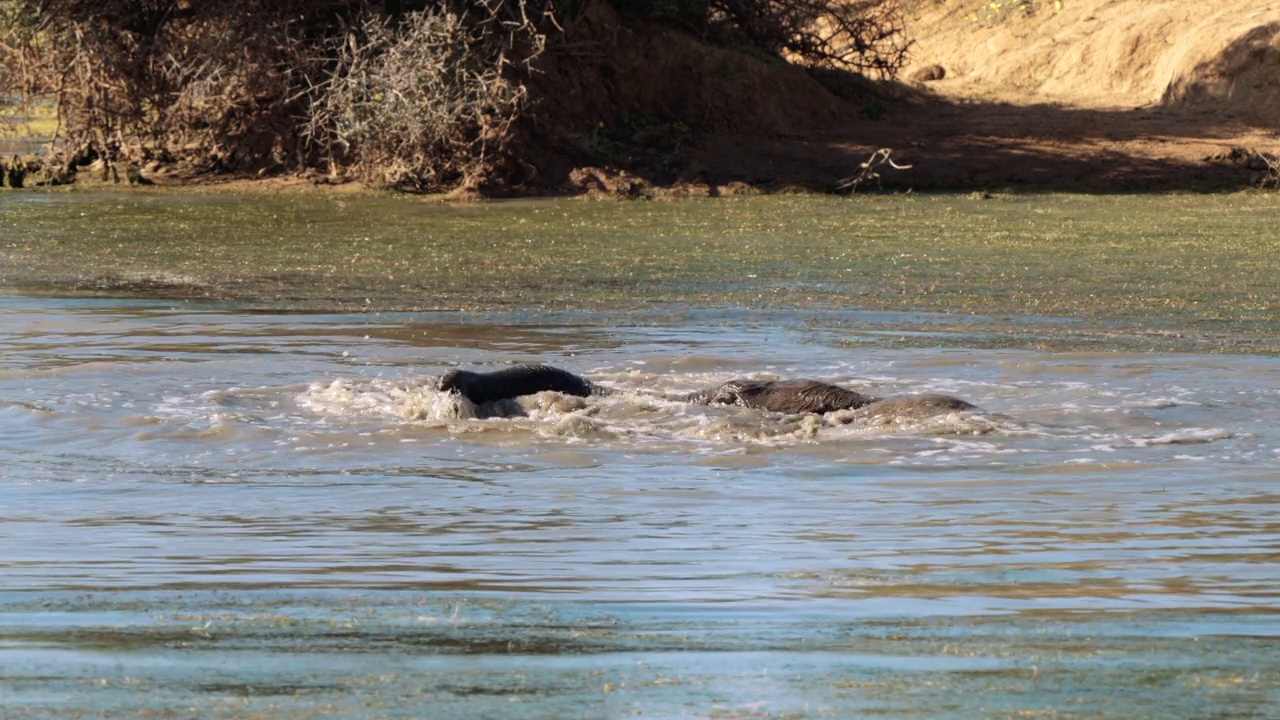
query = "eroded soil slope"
{"x": 1107, "y": 53}
{"x": 1103, "y": 95}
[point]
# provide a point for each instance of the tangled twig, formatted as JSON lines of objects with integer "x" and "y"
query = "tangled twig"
{"x": 426, "y": 102}
{"x": 869, "y": 171}
{"x": 867, "y": 36}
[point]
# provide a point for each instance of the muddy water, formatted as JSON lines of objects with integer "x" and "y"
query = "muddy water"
{"x": 218, "y": 509}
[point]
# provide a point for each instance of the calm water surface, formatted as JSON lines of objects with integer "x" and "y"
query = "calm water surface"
{"x": 215, "y": 509}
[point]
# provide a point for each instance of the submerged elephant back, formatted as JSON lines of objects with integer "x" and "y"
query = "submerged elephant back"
{"x": 916, "y": 406}
{"x": 514, "y": 382}
{"x": 785, "y": 396}
{"x": 803, "y": 396}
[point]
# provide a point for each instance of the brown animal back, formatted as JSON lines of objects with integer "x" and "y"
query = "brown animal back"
{"x": 818, "y": 397}
{"x": 801, "y": 396}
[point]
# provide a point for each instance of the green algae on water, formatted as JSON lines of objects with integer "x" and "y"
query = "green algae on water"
{"x": 1170, "y": 268}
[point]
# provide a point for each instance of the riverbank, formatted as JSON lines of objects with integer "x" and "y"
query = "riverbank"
{"x": 1075, "y": 95}
{"x": 948, "y": 146}
{"x": 1082, "y": 96}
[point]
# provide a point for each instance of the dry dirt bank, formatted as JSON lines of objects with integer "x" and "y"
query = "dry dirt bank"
{"x": 1097, "y": 95}
{"x": 1104, "y": 95}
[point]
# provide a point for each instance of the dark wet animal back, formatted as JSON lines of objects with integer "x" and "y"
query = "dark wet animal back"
{"x": 513, "y": 382}
{"x": 785, "y": 396}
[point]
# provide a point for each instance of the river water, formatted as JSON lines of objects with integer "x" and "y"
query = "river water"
{"x": 210, "y": 509}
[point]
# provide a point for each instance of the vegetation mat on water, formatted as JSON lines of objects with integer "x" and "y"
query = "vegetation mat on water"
{"x": 1140, "y": 271}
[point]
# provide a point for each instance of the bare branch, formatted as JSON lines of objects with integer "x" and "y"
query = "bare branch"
{"x": 866, "y": 36}
{"x": 869, "y": 171}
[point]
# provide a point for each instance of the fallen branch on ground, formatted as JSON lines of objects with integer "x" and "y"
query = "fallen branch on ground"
{"x": 869, "y": 171}
{"x": 1263, "y": 167}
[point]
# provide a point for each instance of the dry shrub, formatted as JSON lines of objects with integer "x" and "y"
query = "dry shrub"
{"x": 866, "y": 36}
{"x": 422, "y": 100}
{"x": 425, "y": 103}
{"x": 214, "y": 84}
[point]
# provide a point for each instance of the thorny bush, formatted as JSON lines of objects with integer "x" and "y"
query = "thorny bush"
{"x": 416, "y": 94}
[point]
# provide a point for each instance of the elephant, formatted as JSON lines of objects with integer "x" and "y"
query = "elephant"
{"x": 783, "y": 396}
{"x": 813, "y": 396}
{"x": 787, "y": 396}
{"x": 512, "y": 382}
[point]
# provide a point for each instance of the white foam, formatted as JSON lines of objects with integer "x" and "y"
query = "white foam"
{"x": 1185, "y": 436}
{"x": 405, "y": 400}
{"x": 1156, "y": 403}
